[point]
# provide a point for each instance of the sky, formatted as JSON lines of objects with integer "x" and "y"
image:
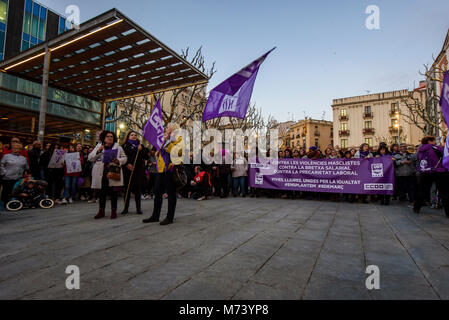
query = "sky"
{"x": 324, "y": 50}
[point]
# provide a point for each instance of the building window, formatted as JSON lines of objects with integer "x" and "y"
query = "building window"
{"x": 368, "y": 124}
{"x": 304, "y": 142}
{"x": 344, "y": 143}
{"x": 316, "y": 142}
{"x": 344, "y": 126}
{"x": 369, "y": 141}
{"x": 394, "y": 107}
{"x": 3, "y": 19}
{"x": 368, "y": 110}
{"x": 34, "y": 24}
{"x": 343, "y": 113}
{"x": 62, "y": 25}
{"x": 393, "y": 122}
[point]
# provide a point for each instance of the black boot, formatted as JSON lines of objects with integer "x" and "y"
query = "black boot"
{"x": 166, "y": 222}
{"x": 150, "y": 220}
{"x": 139, "y": 204}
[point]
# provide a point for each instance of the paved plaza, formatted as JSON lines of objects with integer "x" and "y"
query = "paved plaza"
{"x": 227, "y": 249}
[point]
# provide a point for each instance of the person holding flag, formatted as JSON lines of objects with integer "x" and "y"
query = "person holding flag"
{"x": 433, "y": 160}
{"x": 134, "y": 170}
{"x": 166, "y": 144}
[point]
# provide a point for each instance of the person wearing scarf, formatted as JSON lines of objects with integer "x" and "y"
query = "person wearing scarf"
{"x": 100, "y": 180}
{"x": 134, "y": 173}
{"x": 167, "y": 157}
{"x": 363, "y": 152}
{"x": 383, "y": 152}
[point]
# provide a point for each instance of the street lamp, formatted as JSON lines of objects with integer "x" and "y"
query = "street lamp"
{"x": 398, "y": 126}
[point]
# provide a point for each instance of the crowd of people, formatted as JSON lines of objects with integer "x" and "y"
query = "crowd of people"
{"x": 420, "y": 177}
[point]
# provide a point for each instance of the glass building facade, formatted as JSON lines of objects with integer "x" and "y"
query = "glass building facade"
{"x": 3, "y": 22}
{"x": 25, "y": 95}
{"x": 33, "y": 28}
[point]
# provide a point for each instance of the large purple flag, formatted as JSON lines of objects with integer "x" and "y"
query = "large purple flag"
{"x": 231, "y": 98}
{"x": 154, "y": 129}
{"x": 444, "y": 103}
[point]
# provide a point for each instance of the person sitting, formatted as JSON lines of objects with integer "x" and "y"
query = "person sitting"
{"x": 201, "y": 184}
{"x": 25, "y": 188}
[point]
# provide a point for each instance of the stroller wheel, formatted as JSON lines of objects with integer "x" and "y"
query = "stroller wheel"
{"x": 14, "y": 205}
{"x": 46, "y": 203}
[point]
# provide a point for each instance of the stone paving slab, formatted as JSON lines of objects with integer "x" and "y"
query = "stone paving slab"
{"x": 227, "y": 249}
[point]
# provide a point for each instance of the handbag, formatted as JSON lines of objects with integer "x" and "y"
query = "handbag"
{"x": 179, "y": 177}
{"x": 114, "y": 172}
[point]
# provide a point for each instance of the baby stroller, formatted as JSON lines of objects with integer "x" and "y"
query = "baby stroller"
{"x": 36, "y": 197}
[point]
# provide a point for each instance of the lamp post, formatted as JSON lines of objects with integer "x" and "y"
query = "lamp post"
{"x": 397, "y": 125}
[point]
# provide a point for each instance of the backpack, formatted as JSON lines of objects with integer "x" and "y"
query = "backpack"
{"x": 426, "y": 163}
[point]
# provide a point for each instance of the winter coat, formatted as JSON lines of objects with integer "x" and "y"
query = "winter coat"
{"x": 34, "y": 158}
{"x": 164, "y": 160}
{"x": 359, "y": 156}
{"x": 97, "y": 170}
{"x": 240, "y": 168}
{"x": 138, "y": 177}
{"x": 433, "y": 163}
{"x": 12, "y": 166}
{"x": 402, "y": 169}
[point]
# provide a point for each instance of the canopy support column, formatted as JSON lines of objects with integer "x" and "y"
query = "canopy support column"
{"x": 44, "y": 95}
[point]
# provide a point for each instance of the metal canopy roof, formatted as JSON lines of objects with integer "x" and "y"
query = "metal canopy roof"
{"x": 108, "y": 58}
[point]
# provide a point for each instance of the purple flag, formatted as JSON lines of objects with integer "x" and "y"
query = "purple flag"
{"x": 154, "y": 129}
{"x": 231, "y": 98}
{"x": 444, "y": 103}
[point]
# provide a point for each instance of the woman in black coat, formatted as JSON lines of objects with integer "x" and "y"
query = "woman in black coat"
{"x": 134, "y": 170}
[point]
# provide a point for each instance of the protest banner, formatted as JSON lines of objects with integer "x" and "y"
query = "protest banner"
{"x": 356, "y": 176}
{"x": 72, "y": 162}
{"x": 57, "y": 159}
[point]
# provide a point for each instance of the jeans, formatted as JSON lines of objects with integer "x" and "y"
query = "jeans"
{"x": 70, "y": 185}
{"x": 239, "y": 181}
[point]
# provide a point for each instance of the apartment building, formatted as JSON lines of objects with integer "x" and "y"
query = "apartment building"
{"x": 310, "y": 132}
{"x": 374, "y": 118}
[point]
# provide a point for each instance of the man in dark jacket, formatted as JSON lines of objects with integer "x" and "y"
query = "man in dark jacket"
{"x": 431, "y": 169}
{"x": 405, "y": 173}
{"x": 34, "y": 156}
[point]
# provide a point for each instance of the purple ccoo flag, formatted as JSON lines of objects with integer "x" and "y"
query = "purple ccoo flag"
{"x": 231, "y": 98}
{"x": 444, "y": 103}
{"x": 154, "y": 129}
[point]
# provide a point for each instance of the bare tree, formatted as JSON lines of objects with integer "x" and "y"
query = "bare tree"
{"x": 187, "y": 104}
{"x": 184, "y": 104}
{"x": 424, "y": 113}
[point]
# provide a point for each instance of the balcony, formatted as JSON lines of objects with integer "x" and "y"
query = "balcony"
{"x": 343, "y": 133}
{"x": 368, "y": 131}
{"x": 394, "y": 130}
{"x": 368, "y": 115}
{"x": 344, "y": 118}
{"x": 394, "y": 112}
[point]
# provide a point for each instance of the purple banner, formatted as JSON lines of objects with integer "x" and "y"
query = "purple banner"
{"x": 444, "y": 103}
{"x": 231, "y": 98}
{"x": 357, "y": 176}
